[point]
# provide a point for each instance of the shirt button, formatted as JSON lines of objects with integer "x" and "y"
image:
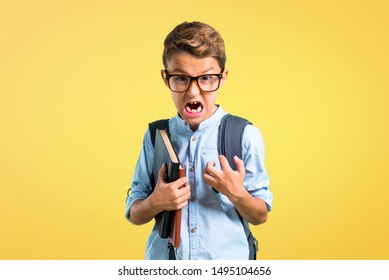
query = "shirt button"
{"x": 194, "y": 138}
{"x": 191, "y": 169}
{"x": 193, "y": 230}
{"x": 192, "y": 199}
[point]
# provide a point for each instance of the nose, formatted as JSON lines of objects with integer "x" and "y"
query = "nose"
{"x": 194, "y": 88}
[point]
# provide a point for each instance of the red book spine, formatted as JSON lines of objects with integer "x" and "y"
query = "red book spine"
{"x": 175, "y": 230}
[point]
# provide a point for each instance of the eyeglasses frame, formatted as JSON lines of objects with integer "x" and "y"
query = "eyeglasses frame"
{"x": 168, "y": 76}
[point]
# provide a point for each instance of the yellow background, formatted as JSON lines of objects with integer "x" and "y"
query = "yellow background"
{"x": 79, "y": 81}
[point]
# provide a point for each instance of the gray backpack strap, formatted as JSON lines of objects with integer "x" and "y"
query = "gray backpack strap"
{"x": 230, "y": 137}
{"x": 160, "y": 124}
{"x": 231, "y": 130}
{"x": 153, "y": 126}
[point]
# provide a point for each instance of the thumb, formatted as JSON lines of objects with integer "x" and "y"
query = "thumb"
{"x": 162, "y": 171}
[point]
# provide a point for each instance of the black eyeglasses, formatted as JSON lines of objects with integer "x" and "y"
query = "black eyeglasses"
{"x": 181, "y": 83}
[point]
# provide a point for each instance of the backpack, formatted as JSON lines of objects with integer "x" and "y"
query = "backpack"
{"x": 229, "y": 144}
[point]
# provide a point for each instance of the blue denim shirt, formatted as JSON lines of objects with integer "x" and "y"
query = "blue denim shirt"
{"x": 211, "y": 227}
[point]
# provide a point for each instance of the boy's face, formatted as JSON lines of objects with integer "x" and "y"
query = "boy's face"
{"x": 193, "y": 105}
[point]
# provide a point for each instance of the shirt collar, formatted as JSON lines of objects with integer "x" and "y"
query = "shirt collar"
{"x": 211, "y": 121}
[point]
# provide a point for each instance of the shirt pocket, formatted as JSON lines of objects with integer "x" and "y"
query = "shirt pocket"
{"x": 210, "y": 154}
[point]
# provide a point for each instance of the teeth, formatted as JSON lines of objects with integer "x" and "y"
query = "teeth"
{"x": 191, "y": 110}
{"x": 199, "y": 108}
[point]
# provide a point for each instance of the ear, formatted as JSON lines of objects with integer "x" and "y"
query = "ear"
{"x": 225, "y": 74}
{"x": 164, "y": 77}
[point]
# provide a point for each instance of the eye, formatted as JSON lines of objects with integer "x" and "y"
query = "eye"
{"x": 205, "y": 78}
{"x": 208, "y": 79}
{"x": 180, "y": 79}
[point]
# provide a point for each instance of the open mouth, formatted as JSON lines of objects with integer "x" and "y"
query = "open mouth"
{"x": 194, "y": 107}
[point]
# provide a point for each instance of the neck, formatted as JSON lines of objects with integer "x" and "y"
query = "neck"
{"x": 194, "y": 127}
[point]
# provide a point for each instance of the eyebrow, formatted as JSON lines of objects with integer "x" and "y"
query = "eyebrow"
{"x": 181, "y": 72}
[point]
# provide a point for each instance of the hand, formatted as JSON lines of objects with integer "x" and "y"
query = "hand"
{"x": 170, "y": 196}
{"x": 226, "y": 181}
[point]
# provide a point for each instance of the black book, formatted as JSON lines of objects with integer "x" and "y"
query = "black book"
{"x": 168, "y": 223}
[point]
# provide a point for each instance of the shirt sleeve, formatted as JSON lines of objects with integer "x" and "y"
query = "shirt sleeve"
{"x": 141, "y": 185}
{"x": 253, "y": 152}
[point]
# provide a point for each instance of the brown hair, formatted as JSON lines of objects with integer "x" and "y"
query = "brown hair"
{"x": 197, "y": 39}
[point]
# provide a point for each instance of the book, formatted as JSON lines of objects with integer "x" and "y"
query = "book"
{"x": 175, "y": 228}
{"x": 168, "y": 223}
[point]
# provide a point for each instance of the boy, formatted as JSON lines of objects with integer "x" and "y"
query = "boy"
{"x": 194, "y": 60}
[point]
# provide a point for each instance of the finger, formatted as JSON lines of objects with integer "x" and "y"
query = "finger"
{"x": 211, "y": 170}
{"x": 240, "y": 165}
{"x": 181, "y": 181}
{"x": 182, "y": 201}
{"x": 184, "y": 189}
{"x": 210, "y": 164}
{"x": 213, "y": 184}
{"x": 210, "y": 180}
{"x": 177, "y": 184}
{"x": 182, "y": 205}
{"x": 224, "y": 163}
{"x": 185, "y": 195}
